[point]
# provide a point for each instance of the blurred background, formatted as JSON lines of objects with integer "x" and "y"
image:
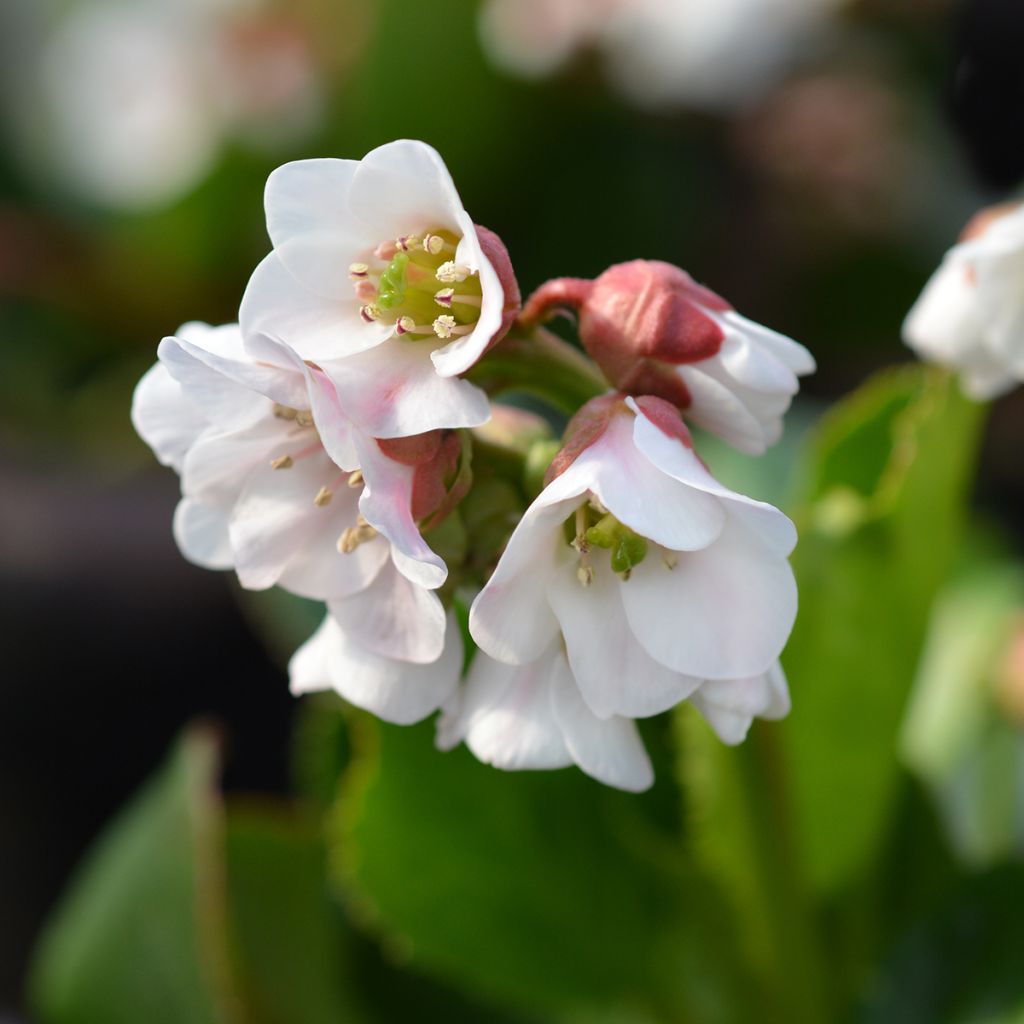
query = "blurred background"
{"x": 808, "y": 159}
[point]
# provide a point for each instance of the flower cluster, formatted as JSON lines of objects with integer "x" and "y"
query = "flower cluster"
{"x": 343, "y": 441}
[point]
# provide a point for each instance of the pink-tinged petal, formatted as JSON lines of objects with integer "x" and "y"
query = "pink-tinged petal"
{"x": 336, "y": 430}
{"x": 315, "y": 230}
{"x": 318, "y": 328}
{"x": 731, "y": 705}
{"x": 232, "y": 392}
{"x": 201, "y": 533}
{"x": 386, "y": 504}
{"x": 394, "y": 617}
{"x": 721, "y": 613}
{"x": 404, "y": 188}
{"x": 396, "y": 691}
{"x": 393, "y": 391}
{"x": 607, "y": 749}
{"x": 216, "y": 467}
{"x": 614, "y": 673}
{"x": 276, "y": 514}
{"x": 678, "y": 461}
{"x": 648, "y": 500}
{"x": 164, "y": 418}
{"x": 506, "y": 716}
{"x": 458, "y": 356}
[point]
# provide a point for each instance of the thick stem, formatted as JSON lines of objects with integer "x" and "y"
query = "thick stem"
{"x": 542, "y": 364}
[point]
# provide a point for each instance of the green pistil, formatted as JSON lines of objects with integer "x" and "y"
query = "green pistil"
{"x": 392, "y": 282}
{"x": 627, "y": 548}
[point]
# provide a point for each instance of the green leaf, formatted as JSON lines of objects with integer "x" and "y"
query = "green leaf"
{"x": 291, "y": 943}
{"x": 142, "y": 935}
{"x": 543, "y": 890}
{"x": 888, "y": 483}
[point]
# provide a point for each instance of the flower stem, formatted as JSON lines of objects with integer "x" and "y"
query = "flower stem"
{"x": 542, "y": 364}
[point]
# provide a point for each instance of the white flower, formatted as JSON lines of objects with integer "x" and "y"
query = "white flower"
{"x": 533, "y": 716}
{"x": 379, "y": 276}
{"x": 655, "y": 577}
{"x": 399, "y": 690}
{"x": 276, "y": 483}
{"x": 137, "y": 98}
{"x": 970, "y": 316}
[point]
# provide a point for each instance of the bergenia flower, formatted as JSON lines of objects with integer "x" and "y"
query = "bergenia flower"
{"x": 380, "y": 277}
{"x": 655, "y": 577}
{"x": 970, "y": 316}
{"x": 533, "y": 716}
{"x": 654, "y": 331}
{"x": 277, "y": 483}
{"x": 397, "y": 689}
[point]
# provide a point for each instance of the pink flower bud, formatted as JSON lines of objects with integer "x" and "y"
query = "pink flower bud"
{"x": 637, "y": 321}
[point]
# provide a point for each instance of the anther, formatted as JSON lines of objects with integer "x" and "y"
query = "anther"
{"x": 585, "y": 574}
{"x": 451, "y": 272}
{"x": 435, "y": 245}
{"x": 281, "y": 462}
{"x": 284, "y": 412}
{"x": 323, "y": 497}
{"x": 407, "y": 242}
{"x": 404, "y": 324}
{"x": 366, "y": 291}
{"x": 370, "y": 312}
{"x": 444, "y": 326}
{"x": 303, "y": 418}
{"x": 444, "y": 297}
{"x": 358, "y": 271}
{"x": 669, "y": 561}
{"x": 355, "y": 478}
{"x": 385, "y": 251}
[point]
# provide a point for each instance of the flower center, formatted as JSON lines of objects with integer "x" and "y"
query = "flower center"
{"x": 415, "y": 282}
{"x": 593, "y": 526}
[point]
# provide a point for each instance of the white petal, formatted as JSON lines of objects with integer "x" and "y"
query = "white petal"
{"x": 217, "y": 466}
{"x": 731, "y": 705}
{"x": 944, "y": 322}
{"x": 393, "y": 391}
{"x": 318, "y": 328}
{"x": 614, "y": 673}
{"x": 394, "y": 617}
{"x": 201, "y": 533}
{"x": 675, "y": 459}
{"x": 312, "y": 224}
{"x": 608, "y": 749}
{"x": 718, "y": 409}
{"x": 507, "y": 718}
{"x": 648, "y": 500}
{"x": 404, "y": 188}
{"x": 790, "y": 353}
{"x": 397, "y": 691}
{"x": 722, "y": 613}
{"x": 164, "y": 418}
{"x": 386, "y": 504}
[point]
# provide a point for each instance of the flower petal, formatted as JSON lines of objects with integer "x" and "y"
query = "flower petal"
{"x": 201, "y": 533}
{"x": 722, "y": 613}
{"x": 506, "y": 714}
{"x": 614, "y": 673}
{"x": 608, "y": 749}
{"x": 164, "y": 418}
{"x": 730, "y": 705}
{"x": 394, "y": 617}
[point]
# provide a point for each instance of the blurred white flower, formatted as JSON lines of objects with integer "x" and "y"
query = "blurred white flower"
{"x": 380, "y": 276}
{"x": 970, "y": 316}
{"x": 139, "y": 97}
{"x": 278, "y": 485}
{"x": 692, "y": 52}
{"x": 655, "y": 577}
{"x": 397, "y": 689}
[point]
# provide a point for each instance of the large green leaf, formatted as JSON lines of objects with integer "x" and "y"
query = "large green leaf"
{"x": 142, "y": 935}
{"x": 888, "y": 482}
{"x": 544, "y": 890}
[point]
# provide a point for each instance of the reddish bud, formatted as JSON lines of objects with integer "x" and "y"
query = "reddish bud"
{"x": 583, "y": 430}
{"x": 637, "y": 321}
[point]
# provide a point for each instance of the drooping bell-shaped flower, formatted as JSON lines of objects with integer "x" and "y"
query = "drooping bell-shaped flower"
{"x": 654, "y": 331}
{"x": 655, "y": 577}
{"x": 380, "y": 277}
{"x": 277, "y": 483}
{"x": 970, "y": 316}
